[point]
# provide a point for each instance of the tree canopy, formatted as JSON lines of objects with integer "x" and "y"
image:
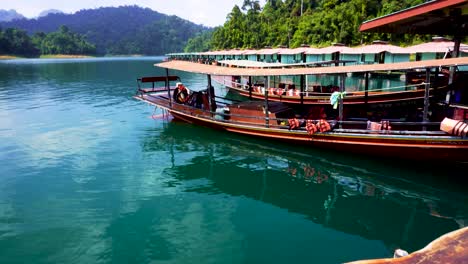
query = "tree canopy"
{"x": 294, "y": 22}
{"x": 119, "y": 30}
{"x": 17, "y": 42}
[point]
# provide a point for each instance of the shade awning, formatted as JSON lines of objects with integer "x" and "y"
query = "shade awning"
{"x": 440, "y": 17}
{"x": 220, "y": 70}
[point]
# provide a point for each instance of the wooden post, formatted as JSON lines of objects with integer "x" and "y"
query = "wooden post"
{"x": 302, "y": 89}
{"x": 209, "y": 93}
{"x": 426, "y": 97}
{"x": 267, "y": 115}
{"x": 366, "y": 91}
{"x": 455, "y": 53}
{"x": 250, "y": 87}
{"x": 168, "y": 87}
{"x": 340, "y": 106}
{"x": 456, "y": 48}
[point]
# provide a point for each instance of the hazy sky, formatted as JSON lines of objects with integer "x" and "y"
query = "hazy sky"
{"x": 206, "y": 12}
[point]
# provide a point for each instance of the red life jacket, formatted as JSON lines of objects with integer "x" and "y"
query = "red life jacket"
{"x": 323, "y": 125}
{"x": 293, "y": 123}
{"x": 279, "y": 91}
{"x": 311, "y": 127}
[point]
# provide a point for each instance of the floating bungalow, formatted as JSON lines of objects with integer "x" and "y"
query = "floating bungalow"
{"x": 439, "y": 48}
{"x": 297, "y": 55}
{"x": 377, "y": 52}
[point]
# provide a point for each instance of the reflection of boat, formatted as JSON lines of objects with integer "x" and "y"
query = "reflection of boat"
{"x": 351, "y": 196}
{"x": 277, "y": 121}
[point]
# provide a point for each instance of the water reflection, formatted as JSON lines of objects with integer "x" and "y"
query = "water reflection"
{"x": 87, "y": 177}
{"x": 402, "y": 207}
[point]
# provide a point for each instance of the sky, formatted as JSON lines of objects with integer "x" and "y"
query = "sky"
{"x": 207, "y": 12}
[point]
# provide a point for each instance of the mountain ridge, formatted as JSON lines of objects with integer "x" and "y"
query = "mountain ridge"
{"x": 119, "y": 30}
{"x": 9, "y": 15}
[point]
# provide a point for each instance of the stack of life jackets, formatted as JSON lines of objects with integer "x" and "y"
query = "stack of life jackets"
{"x": 322, "y": 125}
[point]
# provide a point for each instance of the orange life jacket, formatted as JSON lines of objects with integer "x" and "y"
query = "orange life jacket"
{"x": 311, "y": 127}
{"x": 293, "y": 123}
{"x": 279, "y": 91}
{"x": 323, "y": 125}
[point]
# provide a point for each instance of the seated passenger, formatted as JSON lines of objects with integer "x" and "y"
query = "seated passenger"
{"x": 181, "y": 93}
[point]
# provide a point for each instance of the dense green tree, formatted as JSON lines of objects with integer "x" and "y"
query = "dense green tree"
{"x": 16, "y": 42}
{"x": 65, "y": 42}
{"x": 118, "y": 30}
{"x": 313, "y": 22}
{"x": 200, "y": 43}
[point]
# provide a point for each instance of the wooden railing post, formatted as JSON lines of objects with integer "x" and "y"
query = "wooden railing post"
{"x": 208, "y": 91}
{"x": 168, "y": 87}
{"x": 426, "y": 97}
{"x": 267, "y": 115}
{"x": 340, "y": 106}
{"x": 302, "y": 89}
{"x": 366, "y": 91}
{"x": 250, "y": 87}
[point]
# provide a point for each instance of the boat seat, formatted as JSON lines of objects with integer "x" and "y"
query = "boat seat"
{"x": 153, "y": 80}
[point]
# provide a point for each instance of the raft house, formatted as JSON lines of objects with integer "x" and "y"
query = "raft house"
{"x": 376, "y": 53}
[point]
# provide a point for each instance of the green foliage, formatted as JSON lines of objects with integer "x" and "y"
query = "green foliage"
{"x": 118, "y": 30}
{"x": 64, "y": 42}
{"x": 199, "y": 43}
{"x": 322, "y": 22}
{"x": 17, "y": 42}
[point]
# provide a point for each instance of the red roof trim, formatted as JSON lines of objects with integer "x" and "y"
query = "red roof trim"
{"x": 411, "y": 12}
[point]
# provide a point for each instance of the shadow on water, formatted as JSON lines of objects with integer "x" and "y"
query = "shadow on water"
{"x": 402, "y": 206}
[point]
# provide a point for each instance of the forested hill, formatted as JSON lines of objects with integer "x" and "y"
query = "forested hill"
{"x": 317, "y": 23}
{"x": 119, "y": 30}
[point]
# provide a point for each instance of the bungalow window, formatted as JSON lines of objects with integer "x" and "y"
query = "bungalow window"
{"x": 418, "y": 56}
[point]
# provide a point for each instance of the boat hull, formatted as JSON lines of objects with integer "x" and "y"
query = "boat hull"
{"x": 437, "y": 148}
{"x": 371, "y": 145}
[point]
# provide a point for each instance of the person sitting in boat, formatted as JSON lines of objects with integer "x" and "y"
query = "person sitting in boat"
{"x": 181, "y": 93}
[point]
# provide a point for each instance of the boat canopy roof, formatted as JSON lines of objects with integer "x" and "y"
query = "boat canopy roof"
{"x": 441, "y": 17}
{"x": 222, "y": 70}
{"x": 260, "y": 64}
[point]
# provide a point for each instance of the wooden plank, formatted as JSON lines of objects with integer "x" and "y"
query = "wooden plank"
{"x": 449, "y": 248}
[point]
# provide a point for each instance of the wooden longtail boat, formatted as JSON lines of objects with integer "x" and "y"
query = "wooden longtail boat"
{"x": 277, "y": 121}
{"x": 317, "y": 97}
{"x": 320, "y": 94}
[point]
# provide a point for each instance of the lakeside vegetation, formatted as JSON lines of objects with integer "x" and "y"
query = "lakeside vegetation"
{"x": 118, "y": 30}
{"x": 110, "y": 31}
{"x": 18, "y": 43}
{"x": 317, "y": 23}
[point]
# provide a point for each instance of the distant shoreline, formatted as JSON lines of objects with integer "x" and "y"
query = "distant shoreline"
{"x": 9, "y": 57}
{"x": 65, "y": 56}
{"x": 54, "y": 56}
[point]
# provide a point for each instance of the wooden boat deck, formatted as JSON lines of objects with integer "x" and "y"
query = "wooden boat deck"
{"x": 450, "y": 248}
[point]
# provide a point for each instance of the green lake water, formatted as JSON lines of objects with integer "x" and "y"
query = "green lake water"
{"x": 87, "y": 176}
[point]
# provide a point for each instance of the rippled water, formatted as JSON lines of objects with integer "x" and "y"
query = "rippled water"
{"x": 87, "y": 176}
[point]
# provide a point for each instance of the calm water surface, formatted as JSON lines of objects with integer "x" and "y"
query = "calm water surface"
{"x": 87, "y": 176}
